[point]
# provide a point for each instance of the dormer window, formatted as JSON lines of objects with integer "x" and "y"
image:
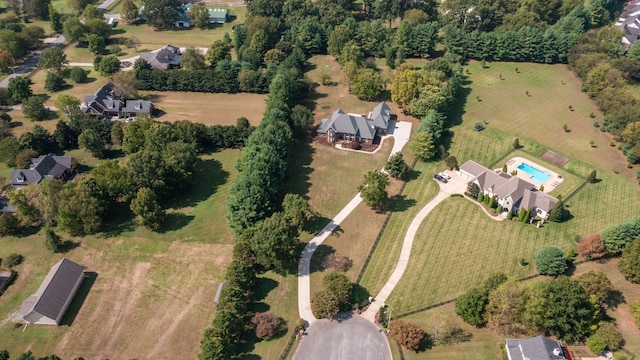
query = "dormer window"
{"x": 21, "y": 178}
{"x": 138, "y": 106}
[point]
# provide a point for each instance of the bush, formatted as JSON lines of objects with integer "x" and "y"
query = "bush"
{"x": 266, "y": 325}
{"x": 325, "y": 304}
{"x": 510, "y": 215}
{"x": 481, "y": 197}
{"x": 611, "y": 335}
{"x": 596, "y": 344}
{"x": 410, "y": 336}
{"x": 550, "y": 261}
{"x": 591, "y": 247}
{"x": 78, "y": 75}
{"x": 13, "y": 259}
{"x": 617, "y": 237}
{"x": 338, "y": 284}
{"x": 592, "y": 177}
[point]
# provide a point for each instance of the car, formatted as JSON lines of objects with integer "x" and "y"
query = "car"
{"x": 445, "y": 175}
{"x": 478, "y": 127}
{"x": 440, "y": 178}
{"x": 125, "y": 64}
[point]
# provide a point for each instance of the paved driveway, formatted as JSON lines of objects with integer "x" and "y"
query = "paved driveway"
{"x": 351, "y": 339}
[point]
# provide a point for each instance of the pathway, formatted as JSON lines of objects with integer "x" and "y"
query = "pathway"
{"x": 401, "y": 131}
{"x": 33, "y": 62}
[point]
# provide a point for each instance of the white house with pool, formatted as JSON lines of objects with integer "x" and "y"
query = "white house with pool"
{"x": 521, "y": 191}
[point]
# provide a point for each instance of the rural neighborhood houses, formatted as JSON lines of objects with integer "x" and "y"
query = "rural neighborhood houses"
{"x": 167, "y": 57}
{"x": 107, "y": 103}
{"x": 536, "y": 348}
{"x": 44, "y": 166}
{"x": 511, "y": 192}
{"x": 353, "y": 127}
{"x": 49, "y": 304}
{"x": 629, "y": 23}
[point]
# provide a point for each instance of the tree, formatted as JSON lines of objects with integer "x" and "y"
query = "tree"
{"x": 33, "y": 108}
{"x": 374, "y": 189}
{"x": 266, "y": 325}
{"x": 550, "y": 261}
{"x": 422, "y": 146}
{"x": 9, "y": 224}
{"x": 26, "y": 356}
{"x": 504, "y": 307}
{"x": 471, "y": 306}
{"x": 516, "y": 144}
{"x": 561, "y": 308}
{"x": 79, "y": 5}
{"x": 218, "y": 51}
{"x": 410, "y": 336}
{"x": 19, "y": 88}
{"x": 68, "y": 107}
{"x": 192, "y": 59}
{"x": 297, "y": 210}
{"x": 199, "y": 16}
{"x": 147, "y": 210}
{"x": 55, "y": 19}
{"x": 451, "y": 161}
{"x": 91, "y": 141}
{"x": 125, "y": 84}
{"x": 592, "y": 177}
{"x": 4, "y": 355}
{"x": 596, "y": 284}
{"x": 73, "y": 29}
{"x": 629, "y": 265}
{"x": 611, "y": 335}
{"x": 96, "y": 43}
{"x": 78, "y": 75}
{"x": 106, "y": 65}
{"x": 6, "y": 60}
{"x": 161, "y": 14}
{"x": 406, "y": 86}
{"x": 591, "y": 247}
{"x": 52, "y": 240}
{"x": 617, "y": 237}
{"x": 53, "y": 58}
{"x": 559, "y": 212}
{"x": 396, "y": 166}
{"x": 596, "y": 344}
{"x": 339, "y": 284}
{"x": 274, "y": 242}
{"x": 325, "y": 304}
{"x": 91, "y": 12}
{"x": 129, "y": 11}
{"x": 39, "y": 8}
{"x": 54, "y": 81}
{"x": 301, "y": 120}
{"x": 367, "y": 85}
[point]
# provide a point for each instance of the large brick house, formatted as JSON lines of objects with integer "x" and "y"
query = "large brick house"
{"x": 353, "y": 127}
{"x": 107, "y": 103}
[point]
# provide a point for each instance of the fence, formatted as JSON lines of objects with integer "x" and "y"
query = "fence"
{"x": 287, "y": 348}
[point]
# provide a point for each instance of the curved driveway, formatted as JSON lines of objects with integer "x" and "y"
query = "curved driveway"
{"x": 351, "y": 338}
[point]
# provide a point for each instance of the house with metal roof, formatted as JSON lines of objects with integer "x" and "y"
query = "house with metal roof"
{"x": 216, "y": 16}
{"x": 536, "y": 348}
{"x": 44, "y": 166}
{"x": 353, "y": 127}
{"x": 49, "y": 304}
{"x": 511, "y": 192}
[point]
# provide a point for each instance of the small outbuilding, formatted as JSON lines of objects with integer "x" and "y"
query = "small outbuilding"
{"x": 49, "y": 304}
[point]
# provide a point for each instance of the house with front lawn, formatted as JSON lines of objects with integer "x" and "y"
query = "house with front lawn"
{"x": 43, "y": 167}
{"x": 167, "y": 57}
{"x": 511, "y": 192}
{"x": 353, "y": 127}
{"x": 536, "y": 348}
{"x": 106, "y": 102}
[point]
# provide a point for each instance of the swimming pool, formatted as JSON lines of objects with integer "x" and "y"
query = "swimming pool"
{"x": 536, "y": 175}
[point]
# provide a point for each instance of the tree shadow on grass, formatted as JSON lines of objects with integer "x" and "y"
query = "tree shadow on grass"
{"x": 68, "y": 245}
{"x": 321, "y": 253}
{"x": 79, "y": 298}
{"x": 458, "y": 107}
{"x": 208, "y": 175}
{"x": 119, "y": 221}
{"x": 614, "y": 298}
{"x": 400, "y": 203}
{"x": 298, "y": 181}
{"x": 175, "y": 221}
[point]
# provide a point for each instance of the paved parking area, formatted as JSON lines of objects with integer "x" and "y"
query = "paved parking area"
{"x": 353, "y": 338}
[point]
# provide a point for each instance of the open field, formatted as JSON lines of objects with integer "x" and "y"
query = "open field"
{"x": 207, "y": 108}
{"x": 135, "y": 272}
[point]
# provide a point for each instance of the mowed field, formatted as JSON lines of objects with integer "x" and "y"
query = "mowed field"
{"x": 148, "y": 295}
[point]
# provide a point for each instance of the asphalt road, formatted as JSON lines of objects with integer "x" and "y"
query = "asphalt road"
{"x": 353, "y": 338}
{"x": 31, "y": 63}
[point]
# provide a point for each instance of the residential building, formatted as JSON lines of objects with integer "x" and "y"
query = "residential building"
{"x": 216, "y": 16}
{"x": 107, "y": 103}
{"x": 629, "y": 23}
{"x": 354, "y": 127}
{"x": 167, "y": 57}
{"x": 49, "y": 304}
{"x": 511, "y": 192}
{"x": 537, "y": 348}
{"x": 43, "y": 167}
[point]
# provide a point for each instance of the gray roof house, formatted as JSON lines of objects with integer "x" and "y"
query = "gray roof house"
{"x": 353, "y": 127}
{"x": 511, "y": 192}
{"x": 44, "y": 166}
{"x": 165, "y": 58}
{"x": 629, "y": 23}
{"x": 537, "y": 348}
{"x": 49, "y": 304}
{"x": 107, "y": 103}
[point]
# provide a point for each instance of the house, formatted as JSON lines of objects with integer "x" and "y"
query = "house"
{"x": 537, "y": 348}
{"x": 353, "y": 127}
{"x": 629, "y": 23}
{"x": 167, "y": 57}
{"x": 43, "y": 167}
{"x": 511, "y": 192}
{"x": 49, "y": 304}
{"x": 107, "y": 103}
{"x": 216, "y": 16}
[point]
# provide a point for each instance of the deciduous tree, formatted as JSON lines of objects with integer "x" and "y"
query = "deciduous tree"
{"x": 125, "y": 84}
{"x": 325, "y": 304}
{"x": 147, "y": 210}
{"x": 54, "y": 81}
{"x": 19, "y": 88}
{"x": 596, "y": 284}
{"x": 53, "y": 58}
{"x": 374, "y": 189}
{"x": 91, "y": 141}
{"x": 410, "y": 336}
{"x": 218, "y": 51}
{"x": 199, "y": 16}
{"x": 630, "y": 263}
{"x": 33, "y": 108}
{"x": 161, "y": 14}
{"x": 266, "y": 325}
{"x": 73, "y": 29}
{"x": 591, "y": 247}
{"x": 192, "y": 59}
{"x": 422, "y": 146}
{"x": 129, "y": 11}
{"x": 367, "y": 85}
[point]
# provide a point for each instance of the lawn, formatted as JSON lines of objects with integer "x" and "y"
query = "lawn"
{"x": 135, "y": 272}
{"x": 94, "y": 82}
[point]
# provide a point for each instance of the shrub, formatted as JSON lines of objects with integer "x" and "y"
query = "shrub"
{"x": 596, "y": 344}
{"x": 616, "y": 237}
{"x": 9, "y": 224}
{"x": 325, "y": 304}
{"x": 565, "y": 127}
{"x": 516, "y": 144}
{"x": 611, "y": 336}
{"x": 596, "y": 124}
{"x": 13, "y": 259}
{"x": 266, "y": 325}
{"x": 473, "y": 189}
{"x": 504, "y": 168}
{"x": 592, "y": 176}
{"x": 550, "y": 261}
{"x": 78, "y": 75}
{"x": 481, "y": 197}
{"x": 499, "y": 209}
{"x": 592, "y": 115}
{"x": 410, "y": 336}
{"x": 451, "y": 161}
{"x": 619, "y": 356}
{"x": 510, "y": 215}
{"x": 591, "y": 247}
{"x": 52, "y": 240}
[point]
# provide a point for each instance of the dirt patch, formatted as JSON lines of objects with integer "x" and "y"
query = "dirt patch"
{"x": 554, "y": 158}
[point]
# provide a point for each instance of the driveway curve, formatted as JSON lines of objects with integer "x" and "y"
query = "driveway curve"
{"x": 343, "y": 338}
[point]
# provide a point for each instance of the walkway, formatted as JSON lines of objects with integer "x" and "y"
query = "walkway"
{"x": 401, "y": 131}
{"x": 33, "y": 62}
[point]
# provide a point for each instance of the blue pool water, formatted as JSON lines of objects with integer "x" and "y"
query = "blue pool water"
{"x": 536, "y": 175}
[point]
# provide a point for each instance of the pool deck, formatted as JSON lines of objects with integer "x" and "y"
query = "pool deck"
{"x": 554, "y": 180}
